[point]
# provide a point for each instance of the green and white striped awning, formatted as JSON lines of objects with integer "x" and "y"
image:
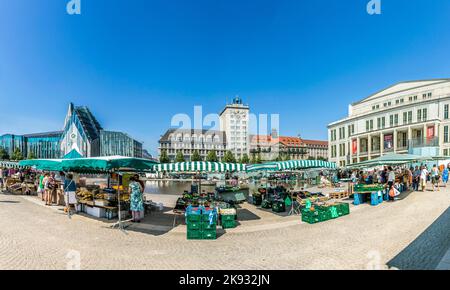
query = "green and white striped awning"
{"x": 292, "y": 165}
{"x": 9, "y": 164}
{"x": 200, "y": 166}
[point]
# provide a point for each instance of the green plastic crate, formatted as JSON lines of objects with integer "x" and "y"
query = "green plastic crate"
{"x": 209, "y": 234}
{"x": 278, "y": 206}
{"x": 266, "y": 204}
{"x": 228, "y": 218}
{"x": 194, "y": 235}
{"x": 208, "y": 226}
{"x": 310, "y": 219}
{"x": 192, "y": 218}
{"x": 205, "y": 218}
{"x": 194, "y": 226}
{"x": 229, "y": 224}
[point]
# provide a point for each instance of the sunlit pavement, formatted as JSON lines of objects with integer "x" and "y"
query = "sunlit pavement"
{"x": 408, "y": 234}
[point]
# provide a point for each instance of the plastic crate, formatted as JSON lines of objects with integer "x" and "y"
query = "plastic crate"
{"x": 228, "y": 217}
{"x": 343, "y": 209}
{"x": 266, "y": 204}
{"x": 229, "y": 224}
{"x": 209, "y": 234}
{"x": 193, "y": 218}
{"x": 279, "y": 206}
{"x": 208, "y": 226}
{"x": 310, "y": 219}
{"x": 194, "y": 226}
{"x": 257, "y": 200}
{"x": 194, "y": 235}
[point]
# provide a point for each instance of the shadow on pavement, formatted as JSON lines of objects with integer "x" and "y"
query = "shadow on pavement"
{"x": 425, "y": 252}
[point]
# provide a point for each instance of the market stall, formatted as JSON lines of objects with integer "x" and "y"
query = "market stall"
{"x": 100, "y": 202}
{"x": 203, "y": 211}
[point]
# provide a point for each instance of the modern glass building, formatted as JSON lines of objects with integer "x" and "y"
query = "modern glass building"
{"x": 81, "y": 132}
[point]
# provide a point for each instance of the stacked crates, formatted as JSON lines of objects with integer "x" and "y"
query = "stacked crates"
{"x": 279, "y": 206}
{"x": 201, "y": 223}
{"x": 228, "y": 221}
{"x": 325, "y": 213}
{"x": 257, "y": 200}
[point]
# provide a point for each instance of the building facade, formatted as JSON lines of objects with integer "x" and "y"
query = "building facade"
{"x": 234, "y": 121}
{"x": 82, "y": 132}
{"x": 409, "y": 117}
{"x": 188, "y": 141}
{"x": 272, "y": 147}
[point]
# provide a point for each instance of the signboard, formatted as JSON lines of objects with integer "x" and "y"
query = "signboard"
{"x": 430, "y": 132}
{"x": 354, "y": 147}
{"x": 389, "y": 141}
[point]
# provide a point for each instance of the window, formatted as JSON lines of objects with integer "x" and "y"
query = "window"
{"x": 445, "y": 134}
{"x": 379, "y": 123}
{"x": 371, "y": 124}
{"x": 367, "y": 125}
{"x": 424, "y": 114}
{"x": 405, "y": 117}
{"x": 397, "y": 102}
{"x": 410, "y": 99}
{"x": 430, "y": 95}
{"x": 415, "y": 98}
{"x": 446, "y": 112}
{"x": 383, "y": 122}
{"x": 419, "y": 115}
{"x": 396, "y": 119}
{"x": 391, "y": 120}
{"x": 409, "y": 117}
{"x": 402, "y": 101}
{"x": 445, "y": 152}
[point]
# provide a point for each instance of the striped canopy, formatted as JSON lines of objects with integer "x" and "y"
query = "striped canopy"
{"x": 199, "y": 166}
{"x": 9, "y": 164}
{"x": 291, "y": 165}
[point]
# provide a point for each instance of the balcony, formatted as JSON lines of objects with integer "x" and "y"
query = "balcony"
{"x": 423, "y": 142}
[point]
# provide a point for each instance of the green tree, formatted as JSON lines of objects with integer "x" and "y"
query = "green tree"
{"x": 258, "y": 159}
{"x": 212, "y": 156}
{"x": 196, "y": 156}
{"x": 31, "y": 155}
{"x": 180, "y": 157}
{"x": 164, "y": 158}
{"x": 253, "y": 161}
{"x": 3, "y": 154}
{"x": 229, "y": 157}
{"x": 17, "y": 155}
{"x": 245, "y": 159}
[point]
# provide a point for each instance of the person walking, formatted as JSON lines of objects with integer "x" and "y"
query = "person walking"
{"x": 416, "y": 178}
{"x": 435, "y": 178}
{"x": 445, "y": 176}
{"x": 423, "y": 178}
{"x": 390, "y": 182}
{"x": 48, "y": 187}
{"x": 70, "y": 189}
{"x": 136, "y": 199}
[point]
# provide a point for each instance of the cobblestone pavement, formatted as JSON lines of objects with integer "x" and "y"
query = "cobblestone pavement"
{"x": 36, "y": 237}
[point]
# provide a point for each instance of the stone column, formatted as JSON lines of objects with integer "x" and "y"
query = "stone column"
{"x": 395, "y": 141}
{"x": 369, "y": 147}
{"x": 381, "y": 143}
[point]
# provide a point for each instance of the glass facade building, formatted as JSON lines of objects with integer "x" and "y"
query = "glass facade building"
{"x": 81, "y": 132}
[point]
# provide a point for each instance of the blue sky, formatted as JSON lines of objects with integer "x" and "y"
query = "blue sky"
{"x": 136, "y": 63}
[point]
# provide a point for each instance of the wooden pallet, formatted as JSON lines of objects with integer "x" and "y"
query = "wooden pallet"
{"x": 339, "y": 195}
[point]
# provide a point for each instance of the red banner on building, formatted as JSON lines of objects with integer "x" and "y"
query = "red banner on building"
{"x": 355, "y": 147}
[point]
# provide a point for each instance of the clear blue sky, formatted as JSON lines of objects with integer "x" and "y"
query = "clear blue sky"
{"x": 136, "y": 63}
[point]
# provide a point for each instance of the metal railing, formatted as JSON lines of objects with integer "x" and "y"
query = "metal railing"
{"x": 423, "y": 142}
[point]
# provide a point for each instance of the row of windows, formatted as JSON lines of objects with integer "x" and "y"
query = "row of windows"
{"x": 402, "y": 100}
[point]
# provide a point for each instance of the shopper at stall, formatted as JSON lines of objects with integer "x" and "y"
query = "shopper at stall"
{"x": 1, "y": 179}
{"x": 136, "y": 199}
{"x": 423, "y": 178}
{"x": 48, "y": 187}
{"x": 435, "y": 177}
{"x": 41, "y": 189}
{"x": 416, "y": 178}
{"x": 70, "y": 189}
{"x": 445, "y": 176}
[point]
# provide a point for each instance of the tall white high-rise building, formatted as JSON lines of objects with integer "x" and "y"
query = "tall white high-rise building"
{"x": 234, "y": 121}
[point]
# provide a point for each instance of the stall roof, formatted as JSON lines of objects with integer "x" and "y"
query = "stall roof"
{"x": 200, "y": 166}
{"x": 291, "y": 165}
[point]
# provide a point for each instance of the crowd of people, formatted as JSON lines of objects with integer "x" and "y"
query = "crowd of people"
{"x": 402, "y": 178}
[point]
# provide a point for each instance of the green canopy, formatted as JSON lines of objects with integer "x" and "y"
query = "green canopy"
{"x": 43, "y": 164}
{"x": 199, "y": 166}
{"x": 106, "y": 164}
{"x": 9, "y": 164}
{"x": 73, "y": 154}
{"x": 389, "y": 159}
{"x": 291, "y": 165}
{"x": 95, "y": 164}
